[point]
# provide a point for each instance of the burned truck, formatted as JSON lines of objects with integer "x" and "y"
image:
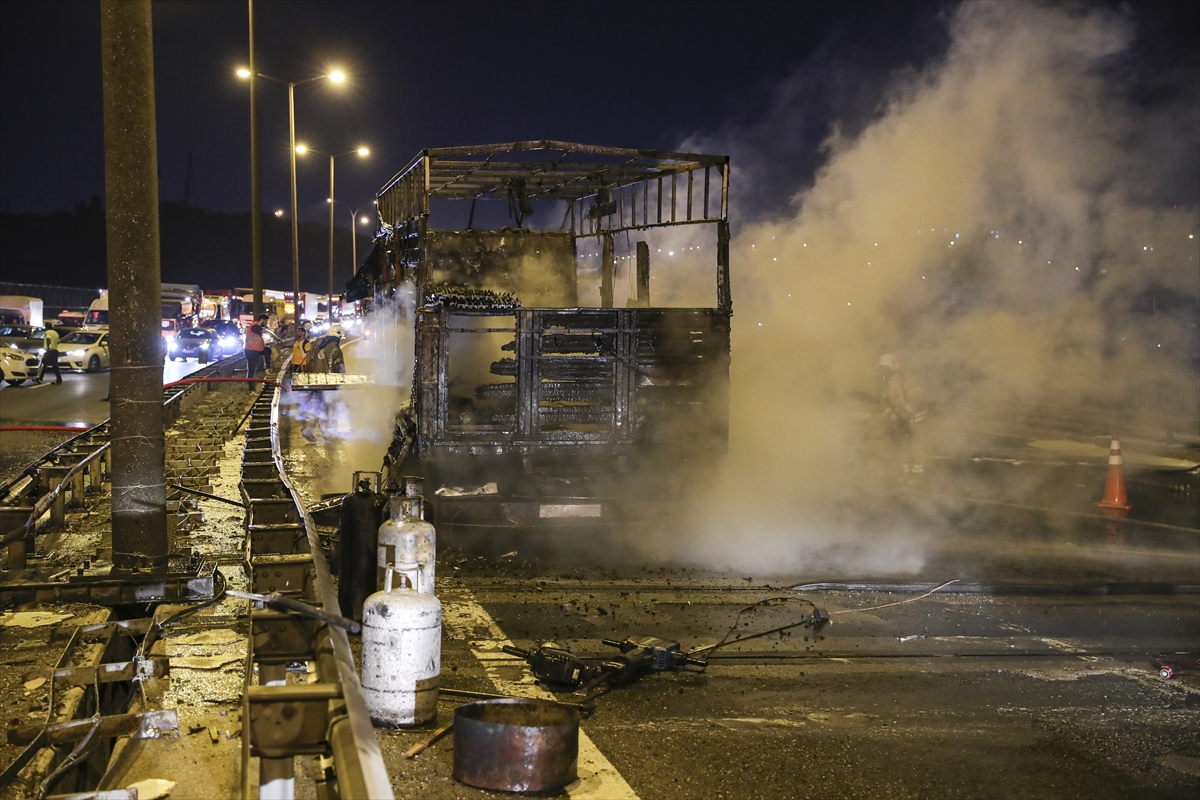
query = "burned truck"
{"x": 571, "y": 313}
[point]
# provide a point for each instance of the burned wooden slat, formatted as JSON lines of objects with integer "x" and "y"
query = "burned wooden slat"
{"x": 155, "y": 667}
{"x": 149, "y": 723}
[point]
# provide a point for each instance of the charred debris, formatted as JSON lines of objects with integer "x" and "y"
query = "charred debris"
{"x": 551, "y": 374}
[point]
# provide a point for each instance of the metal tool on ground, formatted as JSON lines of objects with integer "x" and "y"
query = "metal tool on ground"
{"x": 199, "y": 493}
{"x": 428, "y": 740}
{"x": 291, "y": 604}
{"x": 556, "y": 665}
{"x": 585, "y": 709}
{"x": 651, "y": 654}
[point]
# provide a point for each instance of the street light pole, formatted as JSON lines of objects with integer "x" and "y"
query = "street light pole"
{"x": 354, "y": 233}
{"x": 361, "y": 151}
{"x": 297, "y": 305}
{"x": 256, "y": 276}
{"x": 337, "y": 77}
{"x": 329, "y": 301}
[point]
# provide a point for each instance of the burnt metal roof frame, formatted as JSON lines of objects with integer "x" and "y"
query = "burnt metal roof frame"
{"x": 574, "y": 179}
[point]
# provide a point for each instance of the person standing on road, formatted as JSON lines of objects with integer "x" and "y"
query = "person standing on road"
{"x": 256, "y": 346}
{"x": 300, "y": 347}
{"x": 50, "y": 357}
{"x": 903, "y": 411}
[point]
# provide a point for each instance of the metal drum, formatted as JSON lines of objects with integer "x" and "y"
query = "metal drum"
{"x": 516, "y": 745}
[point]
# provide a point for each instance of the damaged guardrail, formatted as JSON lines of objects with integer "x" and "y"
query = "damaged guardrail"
{"x": 70, "y": 477}
{"x": 328, "y": 716}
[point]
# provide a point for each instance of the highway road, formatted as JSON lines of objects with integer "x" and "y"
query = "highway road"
{"x": 78, "y": 401}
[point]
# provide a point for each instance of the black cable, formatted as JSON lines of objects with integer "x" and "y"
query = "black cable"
{"x": 767, "y": 602}
{"x": 81, "y": 751}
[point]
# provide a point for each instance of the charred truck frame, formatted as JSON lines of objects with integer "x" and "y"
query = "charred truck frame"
{"x": 531, "y": 371}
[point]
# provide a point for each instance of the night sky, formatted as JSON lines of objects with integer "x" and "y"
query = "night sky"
{"x": 444, "y": 73}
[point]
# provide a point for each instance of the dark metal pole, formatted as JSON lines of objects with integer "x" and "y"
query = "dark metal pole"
{"x": 329, "y": 306}
{"x": 608, "y": 267}
{"x": 298, "y": 305}
{"x": 643, "y": 275}
{"x": 354, "y": 242}
{"x": 139, "y": 492}
{"x": 255, "y": 179}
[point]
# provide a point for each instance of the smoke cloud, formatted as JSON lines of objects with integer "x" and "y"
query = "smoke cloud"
{"x": 363, "y": 417}
{"x": 1002, "y": 226}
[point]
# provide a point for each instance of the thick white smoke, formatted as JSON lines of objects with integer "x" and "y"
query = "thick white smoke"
{"x": 363, "y": 417}
{"x": 995, "y": 227}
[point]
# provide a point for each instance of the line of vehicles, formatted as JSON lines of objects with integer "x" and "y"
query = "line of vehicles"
{"x": 195, "y": 324}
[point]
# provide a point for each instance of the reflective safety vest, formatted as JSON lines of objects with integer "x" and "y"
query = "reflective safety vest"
{"x": 254, "y": 339}
{"x": 299, "y": 351}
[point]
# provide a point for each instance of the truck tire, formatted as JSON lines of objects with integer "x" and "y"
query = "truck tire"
{"x": 93, "y": 364}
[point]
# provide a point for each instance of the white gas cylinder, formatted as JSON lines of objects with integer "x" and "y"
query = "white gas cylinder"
{"x": 406, "y": 538}
{"x": 401, "y": 653}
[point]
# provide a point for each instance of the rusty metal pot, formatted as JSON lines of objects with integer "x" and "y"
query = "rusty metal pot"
{"x": 516, "y": 745}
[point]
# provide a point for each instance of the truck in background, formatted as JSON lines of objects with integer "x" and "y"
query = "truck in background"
{"x": 97, "y": 313}
{"x": 21, "y": 310}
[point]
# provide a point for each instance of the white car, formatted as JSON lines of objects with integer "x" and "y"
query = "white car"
{"x": 18, "y": 365}
{"x": 86, "y": 350}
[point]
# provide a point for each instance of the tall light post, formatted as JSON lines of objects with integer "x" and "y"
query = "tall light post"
{"x": 337, "y": 77}
{"x": 361, "y": 152}
{"x": 354, "y": 221}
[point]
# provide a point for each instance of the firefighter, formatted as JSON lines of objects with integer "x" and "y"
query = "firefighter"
{"x": 324, "y": 355}
{"x": 326, "y": 352}
{"x": 903, "y": 411}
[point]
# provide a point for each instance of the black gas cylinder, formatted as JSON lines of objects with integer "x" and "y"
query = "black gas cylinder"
{"x": 362, "y": 514}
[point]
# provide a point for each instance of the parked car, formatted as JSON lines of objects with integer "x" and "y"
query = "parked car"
{"x": 86, "y": 350}
{"x": 26, "y": 337}
{"x": 16, "y": 365}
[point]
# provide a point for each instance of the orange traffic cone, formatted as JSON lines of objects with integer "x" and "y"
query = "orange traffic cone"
{"x": 1115, "y": 502}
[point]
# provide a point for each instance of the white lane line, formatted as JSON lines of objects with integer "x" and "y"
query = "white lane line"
{"x": 464, "y": 618}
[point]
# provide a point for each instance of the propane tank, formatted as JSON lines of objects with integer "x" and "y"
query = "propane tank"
{"x": 361, "y": 512}
{"x": 401, "y": 652}
{"x": 406, "y": 538}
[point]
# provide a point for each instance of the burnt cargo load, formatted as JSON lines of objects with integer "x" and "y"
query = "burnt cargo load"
{"x": 572, "y": 316}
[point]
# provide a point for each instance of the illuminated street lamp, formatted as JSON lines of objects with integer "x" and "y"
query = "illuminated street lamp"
{"x": 335, "y": 76}
{"x": 360, "y": 151}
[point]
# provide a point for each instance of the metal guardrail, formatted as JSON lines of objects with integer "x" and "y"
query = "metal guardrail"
{"x": 15, "y": 540}
{"x": 328, "y": 717}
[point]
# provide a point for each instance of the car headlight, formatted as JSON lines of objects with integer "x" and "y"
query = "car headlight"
{"x": 205, "y": 344}
{"x": 13, "y": 356}
{"x": 77, "y": 353}
{"x": 229, "y": 341}
{"x": 41, "y": 351}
